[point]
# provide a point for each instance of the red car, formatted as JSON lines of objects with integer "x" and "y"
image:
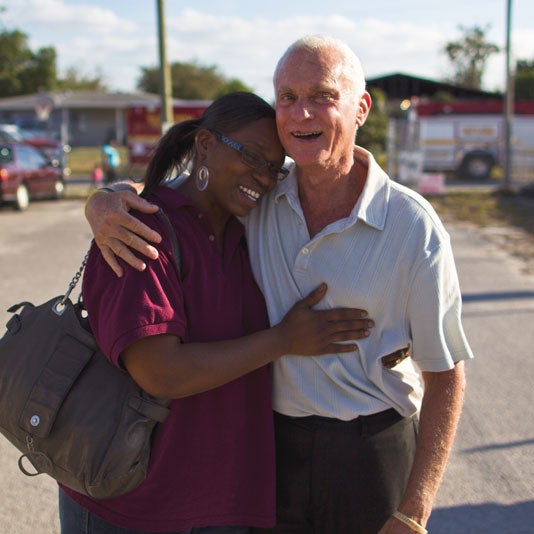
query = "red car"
{"x": 44, "y": 141}
{"x": 26, "y": 173}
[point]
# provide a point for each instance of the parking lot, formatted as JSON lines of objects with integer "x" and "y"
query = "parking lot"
{"x": 489, "y": 484}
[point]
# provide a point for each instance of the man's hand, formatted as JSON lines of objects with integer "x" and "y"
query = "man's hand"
{"x": 116, "y": 231}
{"x": 440, "y": 413}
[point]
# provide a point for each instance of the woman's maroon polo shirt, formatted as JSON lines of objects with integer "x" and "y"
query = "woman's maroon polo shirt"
{"x": 213, "y": 459}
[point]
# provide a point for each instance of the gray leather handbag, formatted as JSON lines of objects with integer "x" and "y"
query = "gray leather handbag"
{"x": 71, "y": 413}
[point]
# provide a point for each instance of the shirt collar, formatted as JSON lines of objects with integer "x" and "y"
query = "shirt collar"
{"x": 288, "y": 187}
{"x": 372, "y": 205}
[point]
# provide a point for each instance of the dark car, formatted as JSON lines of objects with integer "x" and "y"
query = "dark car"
{"x": 25, "y": 174}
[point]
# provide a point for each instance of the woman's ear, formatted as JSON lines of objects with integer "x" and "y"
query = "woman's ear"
{"x": 203, "y": 139}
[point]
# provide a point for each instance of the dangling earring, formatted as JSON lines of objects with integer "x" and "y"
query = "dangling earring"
{"x": 203, "y": 178}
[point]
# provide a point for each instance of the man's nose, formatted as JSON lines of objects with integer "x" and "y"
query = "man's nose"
{"x": 303, "y": 109}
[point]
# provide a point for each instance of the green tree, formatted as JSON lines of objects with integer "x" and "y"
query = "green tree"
{"x": 14, "y": 53}
{"x": 74, "y": 80}
{"x": 524, "y": 80}
{"x": 23, "y": 71}
{"x": 469, "y": 55}
{"x": 233, "y": 85}
{"x": 190, "y": 81}
{"x": 40, "y": 72}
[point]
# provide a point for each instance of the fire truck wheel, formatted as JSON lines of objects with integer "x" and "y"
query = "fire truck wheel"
{"x": 476, "y": 167}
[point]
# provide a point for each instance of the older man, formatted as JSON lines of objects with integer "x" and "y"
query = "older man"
{"x": 361, "y": 445}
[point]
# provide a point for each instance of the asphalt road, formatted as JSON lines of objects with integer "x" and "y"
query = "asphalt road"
{"x": 489, "y": 485}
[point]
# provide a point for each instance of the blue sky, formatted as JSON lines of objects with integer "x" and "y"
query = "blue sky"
{"x": 244, "y": 38}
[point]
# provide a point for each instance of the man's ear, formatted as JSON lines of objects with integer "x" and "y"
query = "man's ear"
{"x": 364, "y": 106}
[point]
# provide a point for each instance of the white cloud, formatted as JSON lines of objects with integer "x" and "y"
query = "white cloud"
{"x": 88, "y": 36}
{"x": 249, "y": 49}
{"x": 61, "y": 16}
{"x": 523, "y": 44}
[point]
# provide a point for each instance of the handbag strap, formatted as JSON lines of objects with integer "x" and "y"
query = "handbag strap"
{"x": 176, "y": 255}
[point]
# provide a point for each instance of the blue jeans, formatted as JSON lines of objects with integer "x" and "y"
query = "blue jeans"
{"x": 75, "y": 519}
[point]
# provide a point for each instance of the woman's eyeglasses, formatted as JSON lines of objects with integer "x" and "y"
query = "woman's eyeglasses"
{"x": 252, "y": 159}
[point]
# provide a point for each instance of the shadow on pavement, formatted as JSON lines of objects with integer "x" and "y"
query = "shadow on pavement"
{"x": 500, "y": 446}
{"x": 487, "y": 518}
{"x": 504, "y": 295}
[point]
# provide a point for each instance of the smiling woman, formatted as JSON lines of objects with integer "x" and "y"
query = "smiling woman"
{"x": 203, "y": 339}
{"x": 254, "y": 160}
{"x": 231, "y": 174}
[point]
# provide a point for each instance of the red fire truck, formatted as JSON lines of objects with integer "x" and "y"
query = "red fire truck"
{"x": 143, "y": 125}
{"x": 468, "y": 137}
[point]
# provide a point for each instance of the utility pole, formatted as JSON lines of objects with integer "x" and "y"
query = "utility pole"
{"x": 508, "y": 103}
{"x": 167, "y": 116}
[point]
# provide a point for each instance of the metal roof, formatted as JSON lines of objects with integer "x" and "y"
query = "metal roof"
{"x": 400, "y": 85}
{"x": 77, "y": 100}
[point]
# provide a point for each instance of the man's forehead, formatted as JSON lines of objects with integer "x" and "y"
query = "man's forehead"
{"x": 324, "y": 66}
{"x": 310, "y": 75}
{"x": 324, "y": 57}
{"x": 327, "y": 58}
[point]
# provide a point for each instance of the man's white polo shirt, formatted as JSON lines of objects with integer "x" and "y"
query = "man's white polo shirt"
{"x": 391, "y": 257}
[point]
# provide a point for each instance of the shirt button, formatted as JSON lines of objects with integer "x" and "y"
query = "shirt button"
{"x": 305, "y": 250}
{"x": 211, "y": 237}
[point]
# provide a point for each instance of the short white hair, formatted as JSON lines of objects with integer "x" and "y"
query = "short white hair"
{"x": 352, "y": 67}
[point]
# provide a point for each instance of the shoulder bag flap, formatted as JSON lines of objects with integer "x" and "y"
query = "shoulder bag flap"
{"x": 63, "y": 366}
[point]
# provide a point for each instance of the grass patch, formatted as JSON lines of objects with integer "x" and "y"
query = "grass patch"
{"x": 82, "y": 159}
{"x": 81, "y": 163}
{"x": 486, "y": 209}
